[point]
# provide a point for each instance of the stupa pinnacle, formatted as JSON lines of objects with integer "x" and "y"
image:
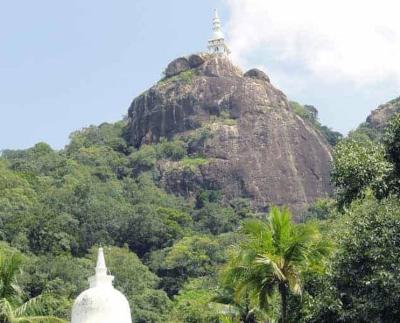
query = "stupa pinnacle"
{"x": 101, "y": 303}
{"x": 217, "y": 42}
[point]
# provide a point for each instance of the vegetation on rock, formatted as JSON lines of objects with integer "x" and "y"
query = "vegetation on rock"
{"x": 310, "y": 114}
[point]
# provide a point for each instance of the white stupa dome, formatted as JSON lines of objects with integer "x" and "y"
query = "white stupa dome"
{"x": 101, "y": 303}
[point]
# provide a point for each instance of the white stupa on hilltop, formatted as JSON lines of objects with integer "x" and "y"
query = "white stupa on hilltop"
{"x": 217, "y": 42}
{"x": 101, "y": 303}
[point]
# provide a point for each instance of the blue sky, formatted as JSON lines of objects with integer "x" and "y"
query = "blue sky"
{"x": 67, "y": 64}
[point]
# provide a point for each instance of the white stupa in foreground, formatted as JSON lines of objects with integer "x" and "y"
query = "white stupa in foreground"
{"x": 101, "y": 303}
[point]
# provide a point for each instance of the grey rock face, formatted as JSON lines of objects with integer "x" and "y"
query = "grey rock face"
{"x": 380, "y": 117}
{"x": 255, "y": 146}
{"x": 195, "y": 60}
{"x": 177, "y": 66}
{"x": 257, "y": 74}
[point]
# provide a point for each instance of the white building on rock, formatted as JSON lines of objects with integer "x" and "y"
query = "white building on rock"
{"x": 101, "y": 303}
{"x": 217, "y": 42}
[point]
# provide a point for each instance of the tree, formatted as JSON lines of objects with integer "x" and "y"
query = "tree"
{"x": 363, "y": 280}
{"x": 272, "y": 258}
{"x": 321, "y": 209}
{"x": 191, "y": 257}
{"x": 17, "y": 202}
{"x": 391, "y": 140}
{"x": 358, "y": 165}
{"x": 159, "y": 228}
{"x": 193, "y": 303}
{"x": 365, "y": 270}
{"x": 25, "y": 313}
{"x": 216, "y": 219}
{"x": 106, "y": 134}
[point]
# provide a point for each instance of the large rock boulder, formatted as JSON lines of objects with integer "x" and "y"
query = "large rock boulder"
{"x": 251, "y": 143}
{"x": 195, "y": 60}
{"x": 177, "y": 66}
{"x": 257, "y": 74}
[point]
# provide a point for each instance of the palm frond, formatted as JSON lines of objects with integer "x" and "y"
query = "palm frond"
{"x": 271, "y": 266}
{"x": 253, "y": 227}
{"x": 32, "y": 306}
{"x": 39, "y": 319}
{"x": 294, "y": 281}
{"x": 22, "y": 313}
{"x": 10, "y": 266}
{"x": 280, "y": 225}
{"x": 265, "y": 293}
{"x": 6, "y": 311}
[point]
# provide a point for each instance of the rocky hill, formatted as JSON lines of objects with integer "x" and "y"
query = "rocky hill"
{"x": 378, "y": 119}
{"x": 242, "y": 136}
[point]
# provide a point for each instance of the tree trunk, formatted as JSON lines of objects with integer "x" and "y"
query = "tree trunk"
{"x": 283, "y": 290}
{"x": 250, "y": 318}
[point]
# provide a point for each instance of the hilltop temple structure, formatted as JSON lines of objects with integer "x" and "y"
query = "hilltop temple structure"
{"x": 217, "y": 42}
{"x": 101, "y": 303}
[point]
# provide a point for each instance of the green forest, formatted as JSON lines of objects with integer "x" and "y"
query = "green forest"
{"x": 200, "y": 259}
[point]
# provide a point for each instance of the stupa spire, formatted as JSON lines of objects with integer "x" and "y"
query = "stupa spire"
{"x": 101, "y": 262}
{"x": 218, "y": 34}
{"x": 101, "y": 277}
{"x": 217, "y": 42}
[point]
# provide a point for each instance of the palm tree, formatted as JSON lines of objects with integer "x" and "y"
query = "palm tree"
{"x": 25, "y": 313}
{"x": 11, "y": 294}
{"x": 272, "y": 258}
{"x": 10, "y": 266}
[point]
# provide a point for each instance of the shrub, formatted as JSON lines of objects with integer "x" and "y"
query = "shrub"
{"x": 174, "y": 149}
